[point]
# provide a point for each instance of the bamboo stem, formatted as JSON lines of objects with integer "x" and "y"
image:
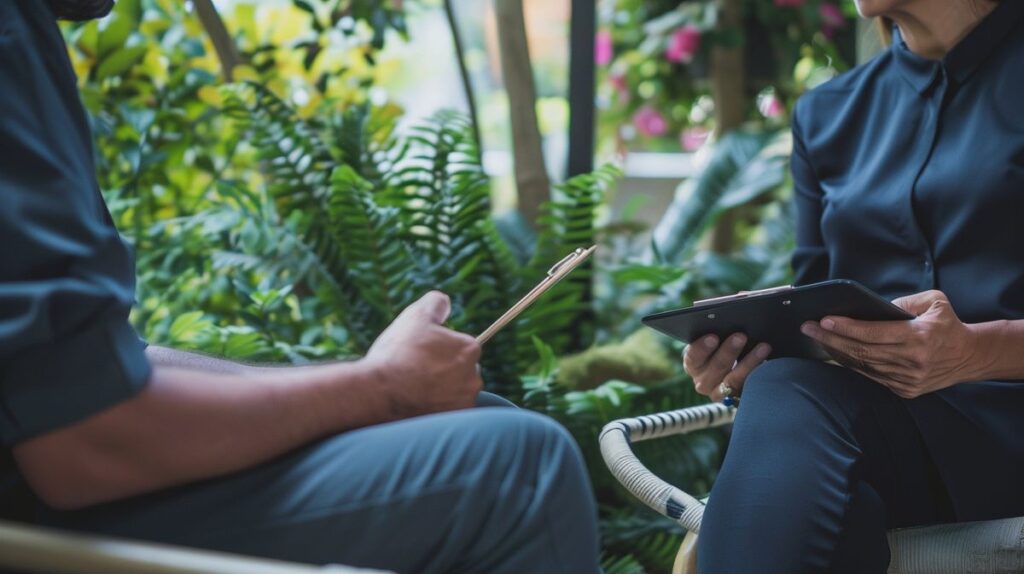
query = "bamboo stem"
{"x": 531, "y": 174}
{"x": 467, "y": 83}
{"x": 223, "y": 44}
{"x": 729, "y": 90}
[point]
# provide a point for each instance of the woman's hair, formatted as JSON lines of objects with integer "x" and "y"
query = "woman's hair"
{"x": 885, "y": 24}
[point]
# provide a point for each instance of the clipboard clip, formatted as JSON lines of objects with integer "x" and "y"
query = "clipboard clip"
{"x": 555, "y": 274}
{"x": 743, "y": 295}
{"x": 568, "y": 259}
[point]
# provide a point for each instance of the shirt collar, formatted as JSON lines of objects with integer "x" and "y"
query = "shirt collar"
{"x": 966, "y": 57}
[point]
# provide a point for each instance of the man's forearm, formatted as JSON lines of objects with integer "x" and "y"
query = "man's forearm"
{"x": 173, "y": 358}
{"x": 187, "y": 425}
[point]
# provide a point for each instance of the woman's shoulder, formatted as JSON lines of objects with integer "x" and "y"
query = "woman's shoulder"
{"x": 832, "y": 100}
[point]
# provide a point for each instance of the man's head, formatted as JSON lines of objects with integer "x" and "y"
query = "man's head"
{"x": 81, "y": 9}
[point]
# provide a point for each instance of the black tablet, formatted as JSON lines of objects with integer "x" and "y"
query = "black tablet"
{"x": 774, "y": 316}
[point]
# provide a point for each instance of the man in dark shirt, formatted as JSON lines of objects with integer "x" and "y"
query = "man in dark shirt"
{"x": 377, "y": 462}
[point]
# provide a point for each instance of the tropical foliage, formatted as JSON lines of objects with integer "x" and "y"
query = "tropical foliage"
{"x": 284, "y": 217}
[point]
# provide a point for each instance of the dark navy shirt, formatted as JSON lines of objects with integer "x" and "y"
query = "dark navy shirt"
{"x": 910, "y": 173}
{"x": 67, "y": 283}
{"x": 909, "y": 176}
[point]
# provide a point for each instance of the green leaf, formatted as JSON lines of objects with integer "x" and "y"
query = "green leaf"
{"x": 114, "y": 31}
{"x": 131, "y": 9}
{"x": 742, "y": 167}
{"x": 189, "y": 327}
{"x": 120, "y": 61}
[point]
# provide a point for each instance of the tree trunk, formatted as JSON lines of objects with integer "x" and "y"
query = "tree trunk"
{"x": 528, "y": 152}
{"x": 227, "y": 51}
{"x": 467, "y": 83}
{"x": 727, "y": 78}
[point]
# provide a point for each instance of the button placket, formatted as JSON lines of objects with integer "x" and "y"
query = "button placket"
{"x": 937, "y": 103}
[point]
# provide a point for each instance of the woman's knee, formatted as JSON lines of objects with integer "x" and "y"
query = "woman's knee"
{"x": 790, "y": 383}
{"x": 784, "y": 399}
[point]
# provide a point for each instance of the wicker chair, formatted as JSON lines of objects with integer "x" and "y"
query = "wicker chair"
{"x": 984, "y": 547}
{"x": 27, "y": 549}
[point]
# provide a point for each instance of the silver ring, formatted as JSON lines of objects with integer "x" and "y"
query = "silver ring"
{"x": 725, "y": 390}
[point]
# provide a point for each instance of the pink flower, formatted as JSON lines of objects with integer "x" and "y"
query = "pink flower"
{"x": 619, "y": 84}
{"x": 683, "y": 44}
{"x": 692, "y": 138}
{"x": 603, "y": 48}
{"x": 771, "y": 107}
{"x": 649, "y": 122}
{"x": 789, "y": 3}
{"x": 832, "y": 18}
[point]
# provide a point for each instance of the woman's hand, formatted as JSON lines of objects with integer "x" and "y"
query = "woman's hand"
{"x": 911, "y": 358}
{"x": 711, "y": 364}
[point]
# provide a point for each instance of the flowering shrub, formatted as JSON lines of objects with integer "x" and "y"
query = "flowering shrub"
{"x": 654, "y": 60}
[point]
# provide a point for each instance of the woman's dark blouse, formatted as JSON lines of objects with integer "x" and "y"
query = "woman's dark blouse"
{"x": 909, "y": 176}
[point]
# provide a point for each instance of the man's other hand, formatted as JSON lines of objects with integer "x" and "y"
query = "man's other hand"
{"x": 424, "y": 366}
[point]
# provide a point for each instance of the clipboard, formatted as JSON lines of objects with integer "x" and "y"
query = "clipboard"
{"x": 555, "y": 274}
{"x": 774, "y": 315}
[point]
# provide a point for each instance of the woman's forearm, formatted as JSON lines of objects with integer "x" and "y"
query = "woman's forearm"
{"x": 999, "y": 350}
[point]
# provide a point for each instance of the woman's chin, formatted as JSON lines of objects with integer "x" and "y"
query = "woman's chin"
{"x": 872, "y": 8}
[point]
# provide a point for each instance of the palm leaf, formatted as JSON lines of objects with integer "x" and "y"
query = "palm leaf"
{"x": 743, "y": 166}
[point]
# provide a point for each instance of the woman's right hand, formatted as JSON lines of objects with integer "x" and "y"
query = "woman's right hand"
{"x": 711, "y": 363}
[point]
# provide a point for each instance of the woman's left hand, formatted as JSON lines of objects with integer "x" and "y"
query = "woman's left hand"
{"x": 911, "y": 358}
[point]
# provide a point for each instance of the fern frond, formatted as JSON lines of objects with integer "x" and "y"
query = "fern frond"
{"x": 566, "y": 224}
{"x": 621, "y": 564}
{"x": 297, "y": 162}
{"x": 297, "y": 166}
{"x": 443, "y": 198}
{"x": 377, "y": 262}
{"x": 363, "y": 137}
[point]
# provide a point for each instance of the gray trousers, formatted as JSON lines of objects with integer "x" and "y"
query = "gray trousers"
{"x": 496, "y": 490}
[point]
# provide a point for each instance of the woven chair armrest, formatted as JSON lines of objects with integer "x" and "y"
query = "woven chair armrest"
{"x": 616, "y": 439}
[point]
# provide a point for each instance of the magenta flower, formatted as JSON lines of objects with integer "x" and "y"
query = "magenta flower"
{"x": 649, "y": 122}
{"x": 832, "y": 18}
{"x": 789, "y": 3}
{"x": 683, "y": 44}
{"x": 603, "y": 48}
{"x": 771, "y": 107}
{"x": 619, "y": 84}
{"x": 692, "y": 138}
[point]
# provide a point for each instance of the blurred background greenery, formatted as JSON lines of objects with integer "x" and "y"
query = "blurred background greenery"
{"x": 292, "y": 173}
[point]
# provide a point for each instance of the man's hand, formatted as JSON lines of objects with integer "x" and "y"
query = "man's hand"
{"x": 934, "y": 351}
{"x": 425, "y": 367}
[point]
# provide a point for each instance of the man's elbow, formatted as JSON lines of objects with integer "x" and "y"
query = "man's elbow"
{"x": 67, "y": 473}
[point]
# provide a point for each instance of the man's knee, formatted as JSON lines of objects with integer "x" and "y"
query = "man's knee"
{"x": 519, "y": 433}
{"x": 517, "y": 459}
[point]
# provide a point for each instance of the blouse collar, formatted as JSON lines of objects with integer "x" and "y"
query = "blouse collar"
{"x": 966, "y": 57}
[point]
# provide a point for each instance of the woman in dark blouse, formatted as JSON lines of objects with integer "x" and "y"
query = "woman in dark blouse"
{"x": 909, "y": 176}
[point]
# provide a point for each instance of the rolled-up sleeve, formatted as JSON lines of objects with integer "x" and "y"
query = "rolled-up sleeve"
{"x": 67, "y": 285}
